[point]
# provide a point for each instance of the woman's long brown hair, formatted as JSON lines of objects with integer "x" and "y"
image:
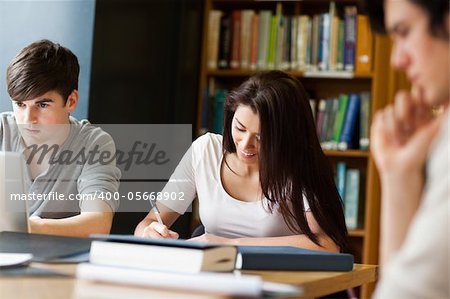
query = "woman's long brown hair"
{"x": 291, "y": 161}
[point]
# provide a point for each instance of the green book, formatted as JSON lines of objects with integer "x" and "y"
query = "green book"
{"x": 272, "y": 42}
{"x": 343, "y": 101}
{"x": 340, "y": 49}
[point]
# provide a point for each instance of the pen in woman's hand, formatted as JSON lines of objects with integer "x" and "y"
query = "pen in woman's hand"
{"x": 156, "y": 211}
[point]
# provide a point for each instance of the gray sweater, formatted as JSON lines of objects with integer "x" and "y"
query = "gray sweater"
{"x": 76, "y": 171}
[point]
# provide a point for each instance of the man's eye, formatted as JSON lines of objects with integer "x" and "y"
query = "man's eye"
{"x": 43, "y": 105}
{"x": 19, "y": 104}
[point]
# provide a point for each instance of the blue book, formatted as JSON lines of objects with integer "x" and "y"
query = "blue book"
{"x": 350, "y": 121}
{"x": 291, "y": 258}
{"x": 340, "y": 178}
{"x": 351, "y": 201}
{"x": 350, "y": 37}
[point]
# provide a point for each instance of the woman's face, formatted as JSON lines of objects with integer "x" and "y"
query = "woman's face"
{"x": 245, "y": 133}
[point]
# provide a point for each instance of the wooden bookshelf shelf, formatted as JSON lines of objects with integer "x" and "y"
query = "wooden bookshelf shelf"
{"x": 300, "y": 74}
{"x": 347, "y": 153}
{"x": 356, "y": 233}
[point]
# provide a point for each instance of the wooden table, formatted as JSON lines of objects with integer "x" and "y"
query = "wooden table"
{"x": 314, "y": 284}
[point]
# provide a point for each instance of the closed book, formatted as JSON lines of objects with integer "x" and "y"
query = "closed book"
{"x": 291, "y": 258}
{"x": 235, "y": 61}
{"x": 351, "y": 199}
{"x": 254, "y": 42}
{"x": 246, "y": 26}
{"x": 225, "y": 42}
{"x": 364, "y": 44}
{"x": 350, "y": 38}
{"x": 328, "y": 143}
{"x": 343, "y": 102}
{"x": 340, "y": 47}
{"x": 213, "y": 33}
{"x": 350, "y": 122}
{"x": 320, "y": 116}
{"x": 241, "y": 285}
{"x": 46, "y": 248}
{"x": 161, "y": 255}
{"x": 219, "y": 101}
{"x": 263, "y": 38}
{"x": 364, "y": 122}
{"x": 324, "y": 43}
{"x": 341, "y": 168}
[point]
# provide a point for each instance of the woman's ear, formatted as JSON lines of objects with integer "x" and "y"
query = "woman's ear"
{"x": 72, "y": 101}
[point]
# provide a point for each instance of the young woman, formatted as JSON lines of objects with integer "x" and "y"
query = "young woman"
{"x": 411, "y": 150}
{"x": 266, "y": 181}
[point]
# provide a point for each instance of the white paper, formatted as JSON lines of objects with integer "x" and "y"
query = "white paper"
{"x": 12, "y": 259}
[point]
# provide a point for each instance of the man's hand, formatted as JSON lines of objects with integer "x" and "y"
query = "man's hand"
{"x": 401, "y": 135}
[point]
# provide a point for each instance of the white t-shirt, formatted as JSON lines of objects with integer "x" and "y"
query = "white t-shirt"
{"x": 198, "y": 174}
{"x": 421, "y": 267}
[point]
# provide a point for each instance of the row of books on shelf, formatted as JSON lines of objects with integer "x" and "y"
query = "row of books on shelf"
{"x": 246, "y": 39}
{"x": 348, "y": 182}
{"x": 343, "y": 122}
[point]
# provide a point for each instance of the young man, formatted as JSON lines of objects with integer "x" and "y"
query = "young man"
{"x": 67, "y": 181}
{"x": 410, "y": 144}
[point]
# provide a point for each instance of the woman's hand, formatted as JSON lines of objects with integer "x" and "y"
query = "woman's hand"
{"x": 159, "y": 231}
{"x": 210, "y": 238}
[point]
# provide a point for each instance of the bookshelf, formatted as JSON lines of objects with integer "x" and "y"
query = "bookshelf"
{"x": 380, "y": 81}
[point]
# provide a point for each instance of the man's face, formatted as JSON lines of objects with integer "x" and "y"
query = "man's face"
{"x": 424, "y": 58}
{"x": 42, "y": 118}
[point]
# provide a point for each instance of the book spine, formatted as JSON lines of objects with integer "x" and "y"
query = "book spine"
{"x": 343, "y": 102}
{"x": 219, "y": 101}
{"x": 351, "y": 200}
{"x": 363, "y": 45}
{"x": 236, "y": 40}
{"x": 246, "y": 22}
{"x": 295, "y": 35}
{"x": 348, "y": 128}
{"x": 326, "y": 120}
{"x": 213, "y": 31}
{"x": 325, "y": 42}
{"x": 340, "y": 47}
{"x": 350, "y": 38}
{"x": 225, "y": 42}
{"x": 340, "y": 178}
{"x": 364, "y": 121}
{"x": 263, "y": 42}
{"x": 331, "y": 124}
{"x": 254, "y": 42}
{"x": 315, "y": 42}
{"x": 320, "y": 116}
{"x": 272, "y": 42}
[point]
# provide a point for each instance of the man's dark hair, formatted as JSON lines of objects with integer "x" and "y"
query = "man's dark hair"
{"x": 291, "y": 161}
{"x": 41, "y": 67}
{"x": 437, "y": 11}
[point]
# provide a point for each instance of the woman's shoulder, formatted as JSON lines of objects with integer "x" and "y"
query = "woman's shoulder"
{"x": 208, "y": 146}
{"x": 208, "y": 140}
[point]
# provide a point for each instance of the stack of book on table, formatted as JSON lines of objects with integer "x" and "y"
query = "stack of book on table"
{"x": 193, "y": 266}
{"x": 174, "y": 265}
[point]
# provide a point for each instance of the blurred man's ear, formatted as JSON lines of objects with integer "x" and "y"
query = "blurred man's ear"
{"x": 72, "y": 101}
